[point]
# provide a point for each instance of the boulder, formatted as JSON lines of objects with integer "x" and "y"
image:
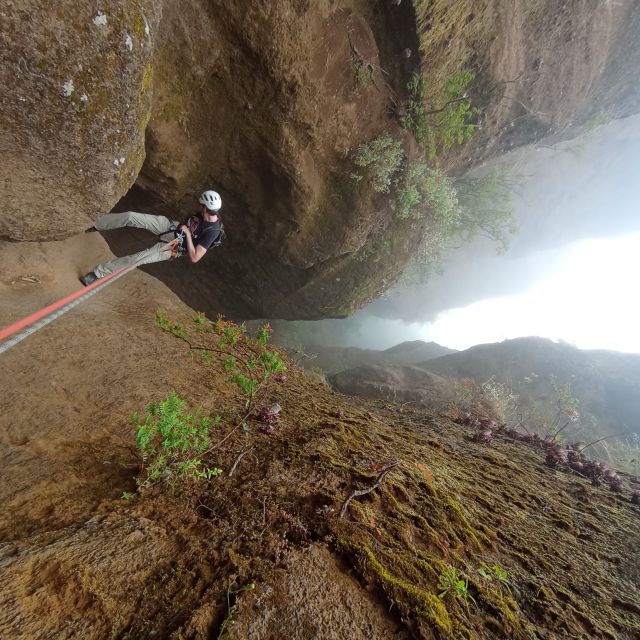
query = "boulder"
{"x": 76, "y": 102}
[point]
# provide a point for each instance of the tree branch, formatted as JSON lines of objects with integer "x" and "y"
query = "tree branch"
{"x": 364, "y": 492}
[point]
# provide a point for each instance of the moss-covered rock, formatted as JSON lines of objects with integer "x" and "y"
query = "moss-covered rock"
{"x": 77, "y": 78}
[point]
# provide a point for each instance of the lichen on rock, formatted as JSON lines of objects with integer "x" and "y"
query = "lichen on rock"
{"x": 74, "y": 107}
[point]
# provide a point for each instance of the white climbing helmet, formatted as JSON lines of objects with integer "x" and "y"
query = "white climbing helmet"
{"x": 211, "y": 200}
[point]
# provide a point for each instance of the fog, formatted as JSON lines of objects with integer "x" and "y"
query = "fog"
{"x": 590, "y": 300}
{"x": 570, "y": 273}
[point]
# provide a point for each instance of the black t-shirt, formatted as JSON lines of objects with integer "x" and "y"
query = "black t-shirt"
{"x": 204, "y": 233}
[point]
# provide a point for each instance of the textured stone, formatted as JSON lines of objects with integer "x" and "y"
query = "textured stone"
{"x": 73, "y": 111}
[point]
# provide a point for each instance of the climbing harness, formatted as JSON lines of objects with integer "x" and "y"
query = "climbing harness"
{"x": 178, "y": 246}
{"x": 42, "y": 318}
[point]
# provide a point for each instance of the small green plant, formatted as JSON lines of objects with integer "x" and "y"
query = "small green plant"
{"x": 440, "y": 123}
{"x": 200, "y": 319}
{"x": 172, "y": 442}
{"x": 247, "y": 367}
{"x": 382, "y": 158}
{"x": 246, "y": 384}
{"x": 166, "y": 325}
{"x": 230, "y": 332}
{"x": 450, "y": 583}
{"x": 495, "y": 573}
{"x": 248, "y": 364}
{"x": 363, "y": 72}
{"x": 232, "y": 594}
{"x": 127, "y": 495}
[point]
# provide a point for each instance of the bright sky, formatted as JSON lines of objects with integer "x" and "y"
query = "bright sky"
{"x": 593, "y": 302}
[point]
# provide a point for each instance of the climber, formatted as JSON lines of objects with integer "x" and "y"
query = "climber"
{"x": 192, "y": 237}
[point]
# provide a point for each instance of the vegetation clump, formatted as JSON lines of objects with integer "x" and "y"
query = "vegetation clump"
{"x": 382, "y": 158}
{"x": 425, "y": 191}
{"x": 363, "y": 72}
{"x": 440, "y": 123}
{"x": 451, "y": 583}
{"x": 248, "y": 363}
{"x": 450, "y": 211}
{"x": 495, "y": 574}
{"x": 173, "y": 442}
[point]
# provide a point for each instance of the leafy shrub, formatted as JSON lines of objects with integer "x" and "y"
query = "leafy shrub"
{"x": 424, "y": 191}
{"x": 249, "y": 364}
{"x": 172, "y": 442}
{"x": 486, "y": 206}
{"x": 382, "y": 157}
{"x": 166, "y": 325}
{"x": 248, "y": 368}
{"x": 440, "y": 123}
{"x": 452, "y": 210}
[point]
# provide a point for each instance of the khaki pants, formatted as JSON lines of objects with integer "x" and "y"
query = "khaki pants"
{"x": 159, "y": 225}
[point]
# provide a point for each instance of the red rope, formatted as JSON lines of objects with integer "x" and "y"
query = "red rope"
{"x": 25, "y": 322}
{"x": 34, "y": 317}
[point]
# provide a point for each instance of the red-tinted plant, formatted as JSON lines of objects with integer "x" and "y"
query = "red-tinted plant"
{"x": 270, "y": 414}
{"x": 484, "y": 437}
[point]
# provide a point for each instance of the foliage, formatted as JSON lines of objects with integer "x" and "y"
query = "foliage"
{"x": 486, "y": 206}
{"x": 450, "y": 583}
{"x": 127, "y": 495}
{"x": 172, "y": 442}
{"x": 559, "y": 411}
{"x": 566, "y": 403}
{"x": 382, "y": 158}
{"x": 447, "y": 30}
{"x": 166, "y": 325}
{"x": 363, "y": 72}
{"x": 466, "y": 393}
{"x": 450, "y": 211}
{"x": 439, "y": 123}
{"x": 247, "y": 366}
{"x": 495, "y": 573}
{"x": 502, "y": 398}
{"x": 232, "y": 607}
{"x": 425, "y": 191}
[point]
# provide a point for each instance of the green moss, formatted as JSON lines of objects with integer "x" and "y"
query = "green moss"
{"x": 423, "y": 602}
{"x": 147, "y": 77}
{"x": 139, "y": 26}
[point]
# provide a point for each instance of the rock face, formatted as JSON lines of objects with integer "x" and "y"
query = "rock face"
{"x": 74, "y": 110}
{"x": 263, "y": 101}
